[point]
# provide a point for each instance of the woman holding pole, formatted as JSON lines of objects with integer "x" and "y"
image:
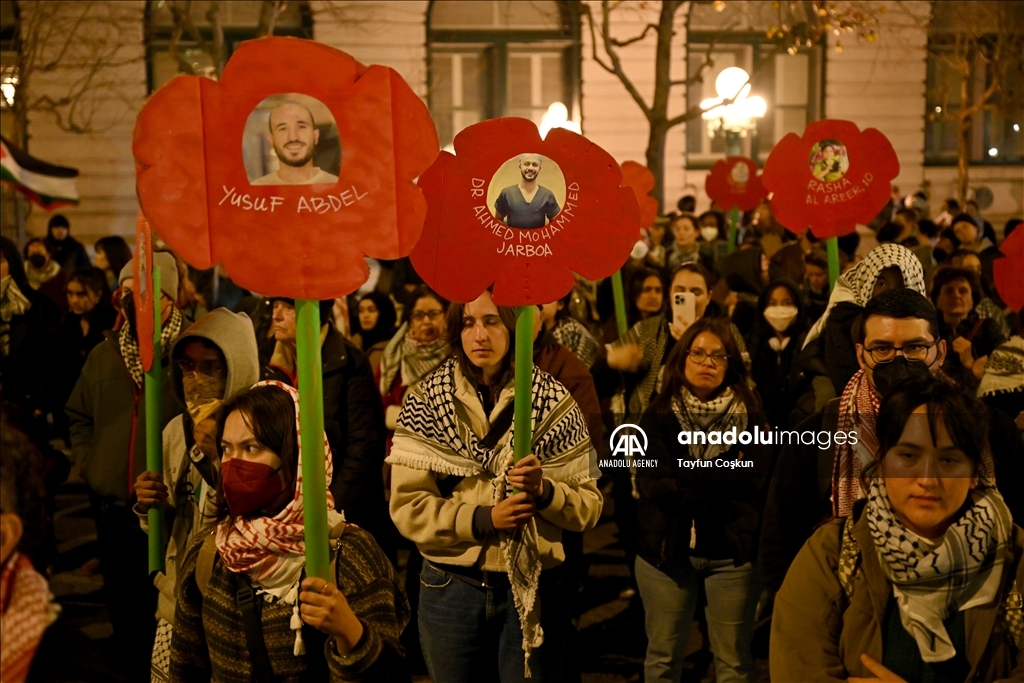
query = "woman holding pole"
{"x": 246, "y": 608}
{"x": 490, "y": 533}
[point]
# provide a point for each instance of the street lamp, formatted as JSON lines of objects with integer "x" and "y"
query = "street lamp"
{"x": 734, "y": 111}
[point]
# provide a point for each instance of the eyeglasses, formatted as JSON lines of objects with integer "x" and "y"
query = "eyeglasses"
{"x": 698, "y": 357}
{"x": 210, "y": 368}
{"x": 420, "y": 316}
{"x": 887, "y": 354}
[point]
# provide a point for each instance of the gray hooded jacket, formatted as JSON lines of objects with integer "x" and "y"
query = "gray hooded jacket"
{"x": 189, "y": 475}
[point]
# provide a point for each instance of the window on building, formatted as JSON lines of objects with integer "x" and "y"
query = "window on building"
{"x": 239, "y": 20}
{"x": 791, "y": 84}
{"x": 492, "y": 58}
{"x": 962, "y": 39}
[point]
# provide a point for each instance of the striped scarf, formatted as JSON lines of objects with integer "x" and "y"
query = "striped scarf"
{"x": 413, "y": 359}
{"x": 271, "y": 550}
{"x": 431, "y": 436}
{"x": 130, "y": 345}
{"x": 26, "y": 609}
{"x": 858, "y": 411}
{"x": 963, "y": 570}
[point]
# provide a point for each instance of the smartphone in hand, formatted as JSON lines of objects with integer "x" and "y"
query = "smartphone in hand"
{"x": 684, "y": 308}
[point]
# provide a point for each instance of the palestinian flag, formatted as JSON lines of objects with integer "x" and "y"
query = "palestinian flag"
{"x": 47, "y": 185}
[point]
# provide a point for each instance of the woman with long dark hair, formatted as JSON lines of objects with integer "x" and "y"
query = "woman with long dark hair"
{"x": 112, "y": 255}
{"x": 246, "y": 609}
{"x": 375, "y": 318}
{"x": 699, "y": 509}
{"x": 490, "y": 584}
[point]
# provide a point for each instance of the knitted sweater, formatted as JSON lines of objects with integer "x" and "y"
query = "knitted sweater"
{"x": 209, "y": 641}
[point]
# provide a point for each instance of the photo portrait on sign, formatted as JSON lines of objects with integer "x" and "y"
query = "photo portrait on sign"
{"x": 291, "y": 139}
{"x": 829, "y": 161}
{"x": 527, "y": 192}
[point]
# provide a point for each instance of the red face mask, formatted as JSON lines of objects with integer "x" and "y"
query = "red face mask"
{"x": 249, "y": 486}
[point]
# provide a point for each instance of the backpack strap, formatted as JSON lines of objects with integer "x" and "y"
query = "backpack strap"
{"x": 252, "y": 624}
{"x": 849, "y": 558}
{"x": 204, "y": 565}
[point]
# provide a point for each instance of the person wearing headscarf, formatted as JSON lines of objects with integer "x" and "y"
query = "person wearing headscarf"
{"x": 920, "y": 581}
{"x": 490, "y": 590}
{"x": 107, "y": 417}
{"x": 774, "y": 339}
{"x": 828, "y": 350}
{"x": 376, "y": 324}
{"x": 304, "y": 628}
{"x": 65, "y": 249}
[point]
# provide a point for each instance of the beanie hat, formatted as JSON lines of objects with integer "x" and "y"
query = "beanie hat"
{"x": 164, "y": 262}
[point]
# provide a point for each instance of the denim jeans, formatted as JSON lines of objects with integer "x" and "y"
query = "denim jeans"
{"x": 471, "y": 634}
{"x": 670, "y": 599}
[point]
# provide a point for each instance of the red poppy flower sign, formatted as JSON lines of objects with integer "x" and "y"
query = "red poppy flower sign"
{"x": 522, "y": 213}
{"x": 299, "y": 162}
{"x": 1007, "y": 271}
{"x": 640, "y": 178}
{"x": 831, "y": 178}
{"x": 735, "y": 183}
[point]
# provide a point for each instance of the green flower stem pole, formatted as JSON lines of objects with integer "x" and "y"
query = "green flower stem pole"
{"x": 734, "y": 227}
{"x": 523, "y": 411}
{"x": 311, "y": 430}
{"x": 153, "y": 388}
{"x": 620, "y": 304}
{"x": 833, "y": 261}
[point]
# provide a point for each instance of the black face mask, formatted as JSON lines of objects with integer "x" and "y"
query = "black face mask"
{"x": 887, "y": 375}
{"x": 37, "y": 260}
{"x": 128, "y": 308}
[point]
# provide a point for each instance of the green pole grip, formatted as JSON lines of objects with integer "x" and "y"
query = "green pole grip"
{"x": 734, "y": 226}
{"x": 833, "y": 261}
{"x": 523, "y": 411}
{"x": 620, "y": 304}
{"x": 311, "y": 428}
{"x": 153, "y": 389}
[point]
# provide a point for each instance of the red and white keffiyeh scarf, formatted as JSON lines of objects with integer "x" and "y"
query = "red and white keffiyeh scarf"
{"x": 858, "y": 411}
{"x": 26, "y": 609}
{"x": 271, "y": 550}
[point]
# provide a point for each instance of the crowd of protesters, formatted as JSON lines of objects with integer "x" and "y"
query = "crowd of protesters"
{"x": 892, "y": 556}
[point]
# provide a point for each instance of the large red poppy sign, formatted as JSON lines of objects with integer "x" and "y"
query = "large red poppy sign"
{"x": 523, "y": 214}
{"x": 735, "y": 183}
{"x": 640, "y": 178}
{"x": 291, "y": 169}
{"x": 831, "y": 178}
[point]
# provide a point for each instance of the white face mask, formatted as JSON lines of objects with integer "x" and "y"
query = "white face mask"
{"x": 780, "y": 317}
{"x": 709, "y": 234}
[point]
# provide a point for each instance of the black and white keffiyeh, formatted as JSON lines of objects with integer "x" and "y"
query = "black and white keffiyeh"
{"x": 719, "y": 414}
{"x": 130, "y": 345}
{"x": 409, "y": 359}
{"x": 932, "y": 579}
{"x": 431, "y": 436}
{"x": 573, "y": 335}
{"x": 857, "y": 284}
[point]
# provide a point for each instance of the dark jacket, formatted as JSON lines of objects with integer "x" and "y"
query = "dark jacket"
{"x": 27, "y": 371}
{"x": 721, "y": 504}
{"x": 983, "y": 333}
{"x": 564, "y": 366}
{"x": 68, "y": 252}
{"x": 65, "y": 655}
{"x": 354, "y": 422}
{"x": 107, "y": 414}
{"x": 799, "y": 494}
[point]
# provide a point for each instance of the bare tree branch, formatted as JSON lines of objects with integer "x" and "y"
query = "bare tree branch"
{"x": 635, "y": 39}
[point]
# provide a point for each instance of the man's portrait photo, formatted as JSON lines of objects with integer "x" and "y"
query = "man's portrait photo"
{"x": 291, "y": 139}
{"x": 530, "y": 192}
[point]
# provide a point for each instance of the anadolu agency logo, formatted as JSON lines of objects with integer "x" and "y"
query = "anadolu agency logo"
{"x": 629, "y": 446}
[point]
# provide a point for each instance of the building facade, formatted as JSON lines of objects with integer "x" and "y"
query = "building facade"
{"x": 472, "y": 60}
